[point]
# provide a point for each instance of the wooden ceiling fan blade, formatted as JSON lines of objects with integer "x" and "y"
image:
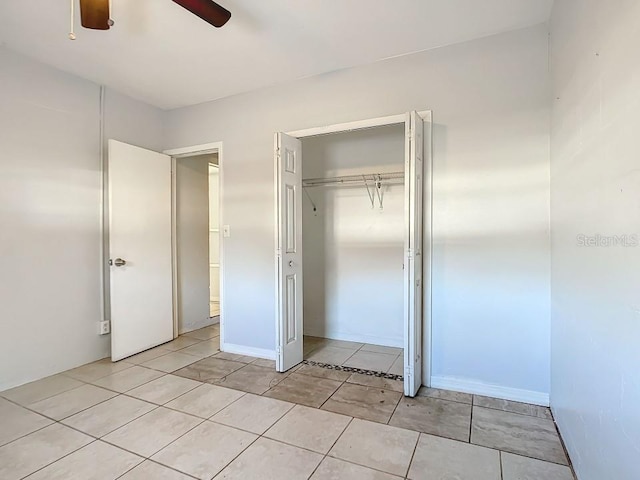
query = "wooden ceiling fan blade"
{"x": 207, "y": 10}
{"x": 94, "y": 14}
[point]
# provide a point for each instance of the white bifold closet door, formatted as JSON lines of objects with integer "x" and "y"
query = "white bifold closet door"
{"x": 289, "y": 341}
{"x": 413, "y": 181}
{"x": 288, "y": 151}
{"x": 141, "y": 284}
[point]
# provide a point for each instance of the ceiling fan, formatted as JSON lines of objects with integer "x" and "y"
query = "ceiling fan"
{"x": 95, "y": 14}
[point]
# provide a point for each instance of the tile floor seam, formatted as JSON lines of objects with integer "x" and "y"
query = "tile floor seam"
{"x": 330, "y": 396}
{"x": 26, "y": 435}
{"x": 111, "y": 431}
{"x": 80, "y": 411}
{"x": 164, "y": 374}
{"x": 511, "y": 453}
{"x": 471, "y": 423}
{"x": 395, "y": 408}
{"x": 305, "y": 448}
{"x": 156, "y": 463}
{"x": 168, "y": 401}
{"x": 413, "y": 454}
{"x": 509, "y": 411}
{"x": 53, "y": 420}
{"x": 117, "y": 428}
{"x": 44, "y": 398}
{"x": 445, "y": 399}
{"x": 58, "y": 459}
{"x": 351, "y": 462}
{"x": 197, "y": 359}
{"x": 258, "y": 437}
{"x": 248, "y": 431}
{"x": 177, "y": 438}
{"x": 93, "y": 379}
{"x": 244, "y": 394}
{"x": 394, "y": 361}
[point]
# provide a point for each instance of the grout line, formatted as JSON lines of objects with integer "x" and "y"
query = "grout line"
{"x": 58, "y": 459}
{"x": 396, "y": 407}
{"x": 513, "y": 413}
{"x": 331, "y": 447}
{"x": 156, "y": 463}
{"x": 471, "y": 422}
{"x": 413, "y": 454}
{"x": 332, "y": 394}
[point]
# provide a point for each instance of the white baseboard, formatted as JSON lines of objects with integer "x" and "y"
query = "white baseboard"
{"x": 489, "y": 390}
{"x": 249, "y": 351}
{"x": 359, "y": 338}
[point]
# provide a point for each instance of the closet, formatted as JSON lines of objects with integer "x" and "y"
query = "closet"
{"x": 353, "y": 246}
{"x": 349, "y": 246}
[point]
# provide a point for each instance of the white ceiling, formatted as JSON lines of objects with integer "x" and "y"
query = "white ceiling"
{"x": 162, "y": 54}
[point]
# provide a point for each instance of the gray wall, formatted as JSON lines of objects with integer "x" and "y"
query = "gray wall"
{"x": 490, "y": 100}
{"x": 50, "y": 295}
{"x": 192, "y": 228}
{"x": 595, "y": 186}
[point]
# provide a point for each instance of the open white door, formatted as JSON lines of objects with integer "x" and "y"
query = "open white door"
{"x": 289, "y": 337}
{"x": 413, "y": 254}
{"x": 140, "y": 249}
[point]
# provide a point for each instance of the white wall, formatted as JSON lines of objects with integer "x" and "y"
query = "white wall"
{"x": 491, "y": 196}
{"x": 595, "y": 189}
{"x": 50, "y": 297}
{"x": 353, "y": 253}
{"x": 192, "y": 228}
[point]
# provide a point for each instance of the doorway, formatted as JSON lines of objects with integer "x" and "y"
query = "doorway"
{"x": 160, "y": 243}
{"x": 197, "y": 241}
{"x": 416, "y": 253}
{"x": 198, "y": 170}
{"x": 353, "y": 243}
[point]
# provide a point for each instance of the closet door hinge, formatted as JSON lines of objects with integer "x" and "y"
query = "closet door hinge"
{"x": 410, "y": 134}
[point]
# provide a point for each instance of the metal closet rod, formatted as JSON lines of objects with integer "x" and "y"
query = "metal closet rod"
{"x": 363, "y": 178}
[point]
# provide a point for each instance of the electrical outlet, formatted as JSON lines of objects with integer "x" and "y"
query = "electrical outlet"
{"x": 105, "y": 327}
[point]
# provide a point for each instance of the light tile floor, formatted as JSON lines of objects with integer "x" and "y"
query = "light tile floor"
{"x": 352, "y": 354}
{"x": 184, "y": 410}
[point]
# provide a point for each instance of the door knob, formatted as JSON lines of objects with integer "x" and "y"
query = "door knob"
{"x": 118, "y": 262}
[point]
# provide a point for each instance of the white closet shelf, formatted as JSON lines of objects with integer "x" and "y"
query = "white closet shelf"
{"x": 214, "y": 230}
{"x": 214, "y": 265}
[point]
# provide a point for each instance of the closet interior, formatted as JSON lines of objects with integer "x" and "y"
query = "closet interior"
{"x": 353, "y": 242}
